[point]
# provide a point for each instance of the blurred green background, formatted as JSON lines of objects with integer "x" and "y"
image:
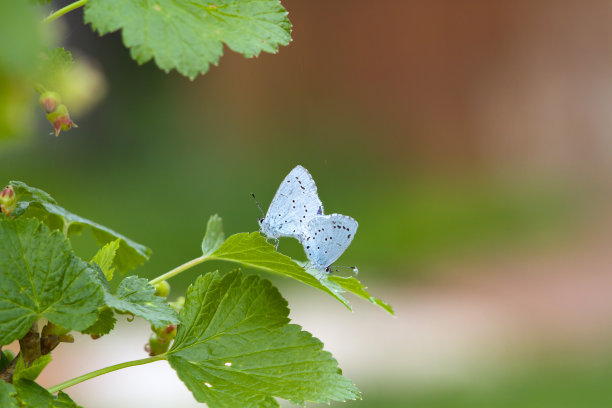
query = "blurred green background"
{"x": 471, "y": 140}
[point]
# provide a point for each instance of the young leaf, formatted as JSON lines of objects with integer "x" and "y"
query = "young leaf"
{"x": 235, "y": 348}
{"x": 41, "y": 277}
{"x": 214, "y": 236}
{"x": 33, "y": 371}
{"x": 64, "y": 401}
{"x": 188, "y": 35}
{"x": 253, "y": 251}
{"x": 105, "y": 323}
{"x": 39, "y": 204}
{"x": 105, "y": 256}
{"x": 136, "y": 296}
{"x": 7, "y": 395}
{"x": 351, "y": 284}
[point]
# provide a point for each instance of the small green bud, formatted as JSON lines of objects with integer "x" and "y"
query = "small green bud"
{"x": 162, "y": 289}
{"x": 178, "y": 304}
{"x": 60, "y": 119}
{"x": 49, "y": 101}
{"x": 155, "y": 346}
{"x": 166, "y": 334}
{"x": 8, "y": 200}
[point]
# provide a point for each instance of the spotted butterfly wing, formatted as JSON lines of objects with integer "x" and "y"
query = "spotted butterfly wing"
{"x": 326, "y": 237}
{"x": 295, "y": 202}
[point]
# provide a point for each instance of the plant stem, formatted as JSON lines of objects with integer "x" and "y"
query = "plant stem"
{"x": 179, "y": 269}
{"x": 105, "y": 370}
{"x": 57, "y": 14}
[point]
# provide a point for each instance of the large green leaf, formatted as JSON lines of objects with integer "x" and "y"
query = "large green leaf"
{"x": 253, "y": 251}
{"x": 7, "y": 395}
{"x": 236, "y": 348}
{"x": 188, "y": 35}
{"x": 41, "y": 277}
{"x": 34, "y": 202}
{"x": 136, "y": 296}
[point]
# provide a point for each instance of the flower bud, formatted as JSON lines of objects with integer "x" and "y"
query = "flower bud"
{"x": 60, "y": 119}
{"x": 8, "y": 200}
{"x": 155, "y": 346}
{"x": 49, "y": 101}
{"x": 162, "y": 289}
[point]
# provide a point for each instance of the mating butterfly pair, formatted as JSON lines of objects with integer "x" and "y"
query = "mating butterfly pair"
{"x": 296, "y": 211}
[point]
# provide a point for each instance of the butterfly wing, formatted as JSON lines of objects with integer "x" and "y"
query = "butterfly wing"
{"x": 295, "y": 202}
{"x": 326, "y": 237}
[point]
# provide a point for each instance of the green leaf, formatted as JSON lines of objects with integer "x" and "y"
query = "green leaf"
{"x": 32, "y": 395}
{"x": 253, "y": 251}
{"x": 33, "y": 371}
{"x": 34, "y": 194}
{"x": 136, "y": 296}
{"x": 105, "y": 256}
{"x": 235, "y": 348}
{"x": 351, "y": 284}
{"x": 188, "y": 35}
{"x": 7, "y": 395}
{"x": 39, "y": 204}
{"x": 64, "y": 401}
{"x": 214, "y": 236}
{"x": 105, "y": 323}
{"x": 41, "y": 277}
{"x": 53, "y": 64}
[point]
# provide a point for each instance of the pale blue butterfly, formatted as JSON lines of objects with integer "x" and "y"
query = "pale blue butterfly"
{"x": 295, "y": 203}
{"x": 326, "y": 237}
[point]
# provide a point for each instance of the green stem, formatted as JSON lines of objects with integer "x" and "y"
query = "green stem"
{"x": 105, "y": 370}
{"x": 179, "y": 269}
{"x": 57, "y": 14}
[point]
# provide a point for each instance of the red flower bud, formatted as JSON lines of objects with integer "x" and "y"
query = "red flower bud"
{"x": 49, "y": 101}
{"x": 60, "y": 119}
{"x": 8, "y": 200}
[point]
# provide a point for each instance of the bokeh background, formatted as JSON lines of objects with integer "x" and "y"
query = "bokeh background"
{"x": 470, "y": 139}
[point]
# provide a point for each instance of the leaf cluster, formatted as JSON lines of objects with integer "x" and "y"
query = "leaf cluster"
{"x": 234, "y": 345}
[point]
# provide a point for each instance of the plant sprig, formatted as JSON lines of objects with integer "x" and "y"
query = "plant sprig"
{"x": 233, "y": 333}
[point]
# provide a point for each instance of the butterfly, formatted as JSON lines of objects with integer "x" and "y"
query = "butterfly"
{"x": 296, "y": 201}
{"x": 296, "y": 211}
{"x": 326, "y": 237}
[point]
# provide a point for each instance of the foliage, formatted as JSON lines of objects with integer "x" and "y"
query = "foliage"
{"x": 194, "y": 31}
{"x": 234, "y": 345}
{"x": 229, "y": 339}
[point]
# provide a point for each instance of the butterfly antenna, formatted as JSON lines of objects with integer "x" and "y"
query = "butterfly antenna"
{"x": 258, "y": 206}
